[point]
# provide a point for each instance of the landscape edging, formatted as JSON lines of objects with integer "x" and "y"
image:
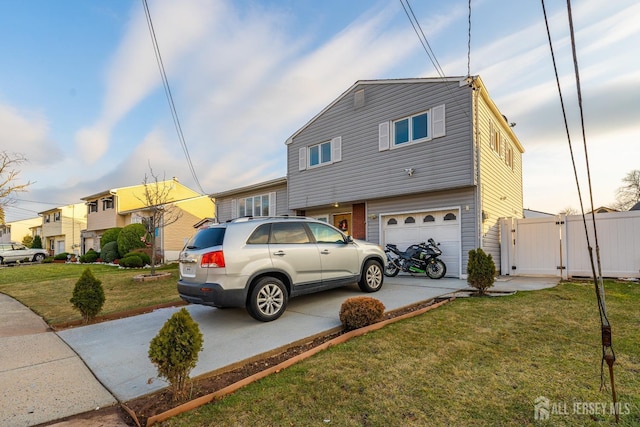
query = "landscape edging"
{"x": 195, "y": 403}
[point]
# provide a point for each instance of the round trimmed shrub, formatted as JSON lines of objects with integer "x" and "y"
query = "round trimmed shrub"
{"x": 111, "y": 235}
{"x": 110, "y": 252}
{"x": 130, "y": 238}
{"x": 131, "y": 261}
{"x": 358, "y": 312}
{"x": 146, "y": 260}
{"x": 61, "y": 256}
{"x": 89, "y": 257}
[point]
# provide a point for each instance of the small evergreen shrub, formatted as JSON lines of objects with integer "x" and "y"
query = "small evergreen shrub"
{"x": 110, "y": 235}
{"x": 88, "y": 295}
{"x": 481, "y": 270}
{"x": 37, "y": 242}
{"x": 130, "y": 238}
{"x": 146, "y": 260}
{"x": 174, "y": 351}
{"x": 61, "y": 256}
{"x": 131, "y": 261}
{"x": 109, "y": 252}
{"x": 358, "y": 312}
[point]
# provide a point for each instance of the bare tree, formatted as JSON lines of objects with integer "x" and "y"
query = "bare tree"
{"x": 8, "y": 177}
{"x": 568, "y": 211}
{"x": 157, "y": 201}
{"x": 629, "y": 193}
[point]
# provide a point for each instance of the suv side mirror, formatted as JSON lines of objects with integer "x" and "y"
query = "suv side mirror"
{"x": 348, "y": 239}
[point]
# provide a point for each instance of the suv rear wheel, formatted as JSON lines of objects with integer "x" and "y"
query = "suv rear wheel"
{"x": 372, "y": 277}
{"x": 268, "y": 299}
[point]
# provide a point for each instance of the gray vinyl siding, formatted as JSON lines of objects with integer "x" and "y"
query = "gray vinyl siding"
{"x": 224, "y": 204}
{"x": 460, "y": 198}
{"x": 366, "y": 173}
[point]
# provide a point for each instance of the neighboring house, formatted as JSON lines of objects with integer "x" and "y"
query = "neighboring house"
{"x": 119, "y": 207}
{"x": 171, "y": 238}
{"x": 603, "y": 209}
{"x": 62, "y": 228}
{"x": 15, "y": 231}
{"x": 530, "y": 213}
{"x": 400, "y": 161}
{"x": 264, "y": 199}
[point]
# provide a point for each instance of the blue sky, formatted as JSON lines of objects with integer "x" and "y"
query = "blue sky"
{"x": 81, "y": 96}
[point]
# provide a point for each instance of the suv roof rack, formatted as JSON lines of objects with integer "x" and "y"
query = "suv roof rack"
{"x": 252, "y": 218}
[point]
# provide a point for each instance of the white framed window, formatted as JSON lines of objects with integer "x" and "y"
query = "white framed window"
{"x": 419, "y": 127}
{"x": 107, "y": 203}
{"x": 92, "y": 206}
{"x": 495, "y": 139}
{"x": 324, "y": 153}
{"x": 56, "y": 216}
{"x": 262, "y": 205}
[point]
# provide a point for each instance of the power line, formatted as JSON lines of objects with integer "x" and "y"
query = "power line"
{"x": 167, "y": 91}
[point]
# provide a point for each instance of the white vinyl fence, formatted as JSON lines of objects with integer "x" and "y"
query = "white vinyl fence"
{"x": 557, "y": 245}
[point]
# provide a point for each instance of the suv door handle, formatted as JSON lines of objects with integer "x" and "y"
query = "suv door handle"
{"x": 279, "y": 253}
{"x": 325, "y": 252}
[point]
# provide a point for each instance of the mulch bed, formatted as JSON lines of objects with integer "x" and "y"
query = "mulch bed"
{"x": 161, "y": 401}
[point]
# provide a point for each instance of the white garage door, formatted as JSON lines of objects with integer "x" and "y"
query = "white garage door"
{"x": 442, "y": 226}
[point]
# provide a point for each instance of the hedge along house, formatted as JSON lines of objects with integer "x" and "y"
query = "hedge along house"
{"x": 400, "y": 161}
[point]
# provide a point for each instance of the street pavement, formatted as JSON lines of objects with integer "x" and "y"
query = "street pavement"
{"x": 46, "y": 376}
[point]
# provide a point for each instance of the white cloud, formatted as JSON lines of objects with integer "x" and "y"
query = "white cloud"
{"x": 27, "y": 134}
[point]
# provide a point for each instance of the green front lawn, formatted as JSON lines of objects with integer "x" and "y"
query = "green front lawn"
{"x": 472, "y": 362}
{"x": 47, "y": 288}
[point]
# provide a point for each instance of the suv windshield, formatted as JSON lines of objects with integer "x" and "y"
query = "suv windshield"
{"x": 207, "y": 238}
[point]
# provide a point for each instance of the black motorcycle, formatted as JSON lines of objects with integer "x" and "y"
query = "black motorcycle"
{"x": 420, "y": 258}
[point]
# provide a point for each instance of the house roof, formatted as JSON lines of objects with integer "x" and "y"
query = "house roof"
{"x": 477, "y": 81}
{"x": 635, "y": 207}
{"x": 253, "y": 187}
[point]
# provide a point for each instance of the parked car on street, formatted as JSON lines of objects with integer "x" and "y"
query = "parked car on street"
{"x": 261, "y": 262}
{"x": 17, "y": 252}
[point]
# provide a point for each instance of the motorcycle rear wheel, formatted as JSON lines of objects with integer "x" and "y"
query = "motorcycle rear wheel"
{"x": 436, "y": 269}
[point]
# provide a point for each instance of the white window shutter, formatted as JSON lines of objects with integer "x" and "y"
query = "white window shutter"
{"x": 336, "y": 149}
{"x": 272, "y": 204}
{"x": 234, "y": 208}
{"x": 438, "y": 122}
{"x": 302, "y": 158}
{"x": 383, "y": 136}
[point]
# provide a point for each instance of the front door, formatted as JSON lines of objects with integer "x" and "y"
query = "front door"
{"x": 343, "y": 222}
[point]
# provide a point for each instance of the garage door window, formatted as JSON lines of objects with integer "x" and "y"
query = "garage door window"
{"x": 410, "y": 220}
{"x": 392, "y": 221}
{"x": 449, "y": 217}
{"x": 429, "y": 218}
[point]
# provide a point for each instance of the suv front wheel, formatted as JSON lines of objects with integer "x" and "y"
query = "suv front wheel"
{"x": 372, "y": 277}
{"x": 268, "y": 299}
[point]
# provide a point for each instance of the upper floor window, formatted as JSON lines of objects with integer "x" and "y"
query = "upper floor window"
{"x": 107, "y": 203}
{"x": 56, "y": 216}
{"x": 508, "y": 156}
{"x": 92, "y": 207}
{"x": 47, "y": 218}
{"x": 411, "y": 129}
{"x": 419, "y": 127}
{"x": 320, "y": 154}
{"x": 324, "y": 153}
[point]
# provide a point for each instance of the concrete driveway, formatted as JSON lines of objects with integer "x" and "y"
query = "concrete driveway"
{"x": 116, "y": 351}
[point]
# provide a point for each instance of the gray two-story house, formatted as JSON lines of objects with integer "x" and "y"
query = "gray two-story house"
{"x": 400, "y": 161}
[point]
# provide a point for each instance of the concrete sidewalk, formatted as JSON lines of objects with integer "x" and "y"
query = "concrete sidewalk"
{"x": 43, "y": 379}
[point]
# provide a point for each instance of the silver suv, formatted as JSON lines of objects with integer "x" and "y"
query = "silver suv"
{"x": 259, "y": 263}
{"x": 17, "y": 252}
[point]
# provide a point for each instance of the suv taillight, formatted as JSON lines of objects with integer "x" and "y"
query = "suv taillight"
{"x": 212, "y": 260}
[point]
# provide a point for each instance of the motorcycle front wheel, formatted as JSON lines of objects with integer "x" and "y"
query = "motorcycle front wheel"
{"x": 436, "y": 269}
{"x": 390, "y": 270}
